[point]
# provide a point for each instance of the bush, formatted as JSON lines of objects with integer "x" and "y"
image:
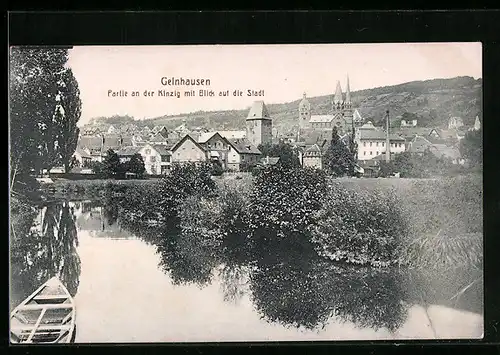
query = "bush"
{"x": 284, "y": 200}
{"x": 183, "y": 181}
{"x": 360, "y": 227}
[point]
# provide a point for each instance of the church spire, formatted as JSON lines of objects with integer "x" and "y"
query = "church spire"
{"x": 338, "y": 94}
{"x": 348, "y": 92}
{"x": 304, "y": 95}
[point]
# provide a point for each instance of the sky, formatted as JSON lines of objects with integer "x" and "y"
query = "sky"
{"x": 284, "y": 72}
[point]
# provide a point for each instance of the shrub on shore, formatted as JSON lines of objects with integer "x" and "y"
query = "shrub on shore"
{"x": 359, "y": 227}
{"x": 284, "y": 200}
{"x": 183, "y": 181}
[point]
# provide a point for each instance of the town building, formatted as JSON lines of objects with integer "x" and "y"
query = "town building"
{"x": 371, "y": 142}
{"x": 418, "y": 145}
{"x": 340, "y": 115}
{"x": 157, "y": 159}
{"x": 241, "y": 153}
{"x": 188, "y": 150}
{"x": 216, "y": 146}
{"x": 259, "y": 124}
{"x": 126, "y": 153}
{"x": 83, "y": 156}
{"x": 313, "y": 157}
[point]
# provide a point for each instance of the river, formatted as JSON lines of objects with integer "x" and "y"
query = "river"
{"x": 136, "y": 285}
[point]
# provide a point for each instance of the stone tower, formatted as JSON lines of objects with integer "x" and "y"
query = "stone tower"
{"x": 348, "y": 112}
{"x": 342, "y": 109}
{"x": 259, "y": 125}
{"x": 304, "y": 112}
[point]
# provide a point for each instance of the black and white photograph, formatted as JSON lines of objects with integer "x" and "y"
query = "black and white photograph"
{"x": 245, "y": 193}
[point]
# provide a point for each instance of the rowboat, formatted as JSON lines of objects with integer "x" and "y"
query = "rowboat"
{"x": 46, "y": 316}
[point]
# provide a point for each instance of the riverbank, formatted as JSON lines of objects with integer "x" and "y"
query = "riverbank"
{"x": 87, "y": 189}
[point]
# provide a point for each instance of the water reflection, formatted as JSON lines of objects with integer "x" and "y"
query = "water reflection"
{"x": 47, "y": 248}
{"x": 282, "y": 282}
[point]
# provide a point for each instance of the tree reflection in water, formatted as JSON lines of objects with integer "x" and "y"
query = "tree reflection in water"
{"x": 286, "y": 280}
{"x": 46, "y": 249}
{"x": 288, "y": 283}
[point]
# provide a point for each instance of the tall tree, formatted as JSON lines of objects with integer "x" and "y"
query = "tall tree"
{"x": 338, "y": 158}
{"x": 68, "y": 114}
{"x": 34, "y": 76}
{"x": 136, "y": 165}
{"x": 112, "y": 165}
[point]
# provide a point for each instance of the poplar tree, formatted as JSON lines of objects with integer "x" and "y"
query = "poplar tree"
{"x": 44, "y": 108}
{"x": 338, "y": 158}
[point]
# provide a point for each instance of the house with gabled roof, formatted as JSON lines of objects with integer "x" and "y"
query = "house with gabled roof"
{"x": 188, "y": 149}
{"x": 82, "y": 155}
{"x": 313, "y": 157}
{"x": 216, "y": 146}
{"x": 419, "y": 145}
{"x": 241, "y": 153}
{"x": 157, "y": 158}
{"x": 126, "y": 153}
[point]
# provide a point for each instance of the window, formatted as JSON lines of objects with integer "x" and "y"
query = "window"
{"x": 148, "y": 151}
{"x": 376, "y": 144}
{"x": 364, "y": 153}
{"x": 383, "y": 144}
{"x": 370, "y": 152}
{"x": 370, "y": 144}
{"x": 364, "y": 144}
{"x": 399, "y": 145}
{"x": 377, "y": 152}
{"x": 153, "y": 159}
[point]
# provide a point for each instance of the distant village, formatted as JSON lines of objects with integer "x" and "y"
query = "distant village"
{"x": 161, "y": 147}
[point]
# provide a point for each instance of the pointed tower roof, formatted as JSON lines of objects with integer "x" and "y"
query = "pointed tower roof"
{"x": 338, "y": 93}
{"x": 258, "y": 111}
{"x": 304, "y": 101}
{"x": 348, "y": 92}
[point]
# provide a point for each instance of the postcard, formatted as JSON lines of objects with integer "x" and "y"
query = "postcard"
{"x": 246, "y": 193}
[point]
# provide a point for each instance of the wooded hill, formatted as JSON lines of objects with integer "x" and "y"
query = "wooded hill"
{"x": 432, "y": 102}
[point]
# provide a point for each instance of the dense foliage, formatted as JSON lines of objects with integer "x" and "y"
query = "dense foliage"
{"x": 471, "y": 147}
{"x": 284, "y": 200}
{"x": 288, "y": 156}
{"x": 338, "y": 159}
{"x": 135, "y": 165}
{"x": 44, "y": 109}
{"x": 183, "y": 181}
{"x": 360, "y": 227}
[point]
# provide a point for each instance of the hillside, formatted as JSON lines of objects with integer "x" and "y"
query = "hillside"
{"x": 430, "y": 101}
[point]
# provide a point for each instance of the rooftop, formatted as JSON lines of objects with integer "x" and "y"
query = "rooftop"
{"x": 258, "y": 111}
{"x": 243, "y": 146}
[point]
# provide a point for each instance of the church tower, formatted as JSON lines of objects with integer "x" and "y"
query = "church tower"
{"x": 259, "y": 125}
{"x": 348, "y": 112}
{"x": 304, "y": 112}
{"x": 338, "y": 101}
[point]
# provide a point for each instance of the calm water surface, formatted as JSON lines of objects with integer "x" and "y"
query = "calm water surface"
{"x": 139, "y": 285}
